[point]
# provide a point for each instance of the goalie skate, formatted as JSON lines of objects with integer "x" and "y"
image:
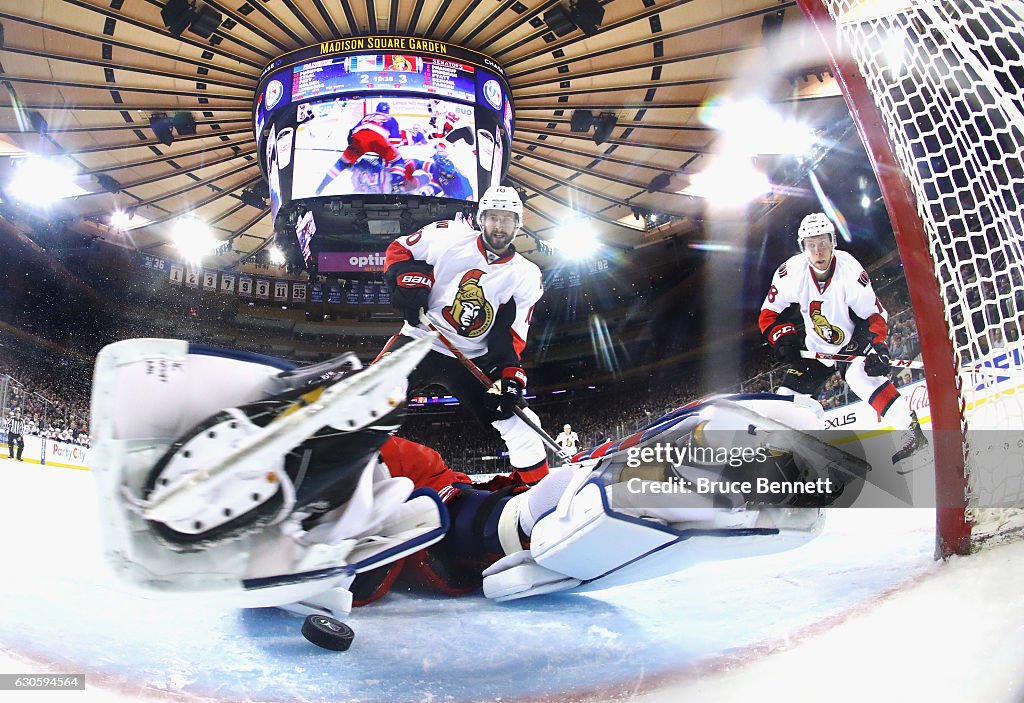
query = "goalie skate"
{"x": 229, "y": 475}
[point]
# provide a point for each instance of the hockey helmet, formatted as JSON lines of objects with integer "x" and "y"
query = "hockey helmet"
{"x": 383, "y": 107}
{"x": 813, "y": 225}
{"x": 444, "y": 164}
{"x": 503, "y": 198}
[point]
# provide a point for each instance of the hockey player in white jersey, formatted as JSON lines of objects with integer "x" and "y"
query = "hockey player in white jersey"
{"x": 480, "y": 293}
{"x": 839, "y": 309}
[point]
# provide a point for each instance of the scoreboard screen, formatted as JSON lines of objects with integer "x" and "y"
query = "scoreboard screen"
{"x": 379, "y": 72}
{"x": 378, "y": 124}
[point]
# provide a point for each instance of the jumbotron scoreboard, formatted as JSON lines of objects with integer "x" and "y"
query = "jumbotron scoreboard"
{"x": 378, "y": 135}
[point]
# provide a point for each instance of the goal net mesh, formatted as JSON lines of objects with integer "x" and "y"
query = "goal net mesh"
{"x": 947, "y": 78}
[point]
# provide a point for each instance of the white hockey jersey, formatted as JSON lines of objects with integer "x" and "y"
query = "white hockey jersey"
{"x": 825, "y": 306}
{"x": 474, "y": 293}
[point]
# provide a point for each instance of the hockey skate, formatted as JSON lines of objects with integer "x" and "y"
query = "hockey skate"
{"x": 232, "y": 473}
{"x": 914, "y": 441}
{"x": 259, "y": 462}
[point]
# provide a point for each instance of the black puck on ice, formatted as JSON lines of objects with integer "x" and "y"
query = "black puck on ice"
{"x": 327, "y": 632}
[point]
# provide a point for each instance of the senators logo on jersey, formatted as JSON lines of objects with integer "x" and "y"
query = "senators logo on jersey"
{"x": 825, "y": 329}
{"x": 470, "y": 313}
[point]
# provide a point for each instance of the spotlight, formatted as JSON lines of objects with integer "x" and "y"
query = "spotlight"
{"x": 587, "y": 15}
{"x": 161, "y": 125}
{"x": 575, "y": 239}
{"x": 771, "y": 23}
{"x": 261, "y": 188}
{"x": 205, "y": 21}
{"x": 558, "y": 21}
{"x": 184, "y": 123}
{"x": 659, "y": 182}
{"x": 193, "y": 239}
{"x": 603, "y": 127}
{"x": 120, "y": 220}
{"x": 176, "y": 15}
{"x": 581, "y": 121}
{"x": 38, "y": 122}
{"x": 251, "y": 198}
{"x": 108, "y": 183}
{"x": 40, "y": 181}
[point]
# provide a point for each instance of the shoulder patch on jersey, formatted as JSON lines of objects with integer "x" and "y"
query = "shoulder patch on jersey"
{"x": 782, "y": 271}
{"x": 863, "y": 279}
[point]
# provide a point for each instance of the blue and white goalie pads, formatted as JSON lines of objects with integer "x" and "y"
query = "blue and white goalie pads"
{"x": 650, "y": 505}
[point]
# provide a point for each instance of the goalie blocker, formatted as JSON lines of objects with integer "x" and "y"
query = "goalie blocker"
{"x": 238, "y": 477}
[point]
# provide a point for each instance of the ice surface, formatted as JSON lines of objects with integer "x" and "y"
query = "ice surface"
{"x": 862, "y": 612}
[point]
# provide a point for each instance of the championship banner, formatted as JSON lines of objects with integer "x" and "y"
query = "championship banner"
{"x": 192, "y": 278}
{"x": 227, "y": 283}
{"x": 316, "y": 293}
{"x": 352, "y": 295}
{"x": 280, "y": 290}
{"x": 334, "y": 294}
{"x": 262, "y": 289}
{"x": 210, "y": 280}
{"x": 245, "y": 286}
{"x": 383, "y": 296}
{"x": 299, "y": 292}
{"x": 177, "y": 274}
{"x": 369, "y": 294}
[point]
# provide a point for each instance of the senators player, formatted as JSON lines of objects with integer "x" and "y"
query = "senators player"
{"x": 840, "y": 312}
{"x": 480, "y": 293}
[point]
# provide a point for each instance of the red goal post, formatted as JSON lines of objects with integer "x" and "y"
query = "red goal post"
{"x": 909, "y": 71}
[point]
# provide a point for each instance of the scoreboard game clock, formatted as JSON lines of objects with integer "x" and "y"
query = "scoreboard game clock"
{"x": 368, "y": 136}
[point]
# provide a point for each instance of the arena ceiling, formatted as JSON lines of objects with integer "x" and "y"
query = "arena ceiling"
{"x": 96, "y": 71}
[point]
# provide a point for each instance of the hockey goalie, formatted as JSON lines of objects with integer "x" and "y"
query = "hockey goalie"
{"x": 246, "y": 479}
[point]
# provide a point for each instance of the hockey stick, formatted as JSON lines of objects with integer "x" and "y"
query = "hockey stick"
{"x": 908, "y": 364}
{"x": 846, "y": 462}
{"x": 483, "y": 378}
{"x": 899, "y": 363}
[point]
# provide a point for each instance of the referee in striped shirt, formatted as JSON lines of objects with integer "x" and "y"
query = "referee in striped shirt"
{"x": 15, "y": 426}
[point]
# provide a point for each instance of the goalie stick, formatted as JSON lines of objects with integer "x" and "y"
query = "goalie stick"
{"x": 482, "y": 377}
{"x": 848, "y": 463}
{"x": 908, "y": 364}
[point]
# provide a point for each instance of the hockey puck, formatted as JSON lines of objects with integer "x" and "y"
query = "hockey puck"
{"x": 327, "y": 632}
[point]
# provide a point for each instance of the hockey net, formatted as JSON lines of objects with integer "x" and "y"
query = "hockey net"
{"x": 936, "y": 88}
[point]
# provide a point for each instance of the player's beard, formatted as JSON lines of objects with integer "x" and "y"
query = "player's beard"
{"x": 501, "y": 246}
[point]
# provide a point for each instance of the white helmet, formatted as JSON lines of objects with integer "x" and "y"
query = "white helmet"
{"x": 500, "y": 198}
{"x": 815, "y": 224}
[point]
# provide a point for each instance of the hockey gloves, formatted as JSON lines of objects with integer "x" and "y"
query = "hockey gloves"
{"x": 786, "y": 342}
{"x": 509, "y": 392}
{"x": 409, "y": 283}
{"x": 877, "y": 362}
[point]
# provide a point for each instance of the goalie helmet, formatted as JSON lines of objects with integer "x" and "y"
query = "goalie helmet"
{"x": 813, "y": 225}
{"x": 503, "y": 198}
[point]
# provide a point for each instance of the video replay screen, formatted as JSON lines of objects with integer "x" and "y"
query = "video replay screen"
{"x": 382, "y": 116}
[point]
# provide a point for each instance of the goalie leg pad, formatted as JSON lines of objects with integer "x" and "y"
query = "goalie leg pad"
{"x": 585, "y": 544}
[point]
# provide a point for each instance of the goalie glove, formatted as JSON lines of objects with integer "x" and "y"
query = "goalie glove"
{"x": 877, "y": 362}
